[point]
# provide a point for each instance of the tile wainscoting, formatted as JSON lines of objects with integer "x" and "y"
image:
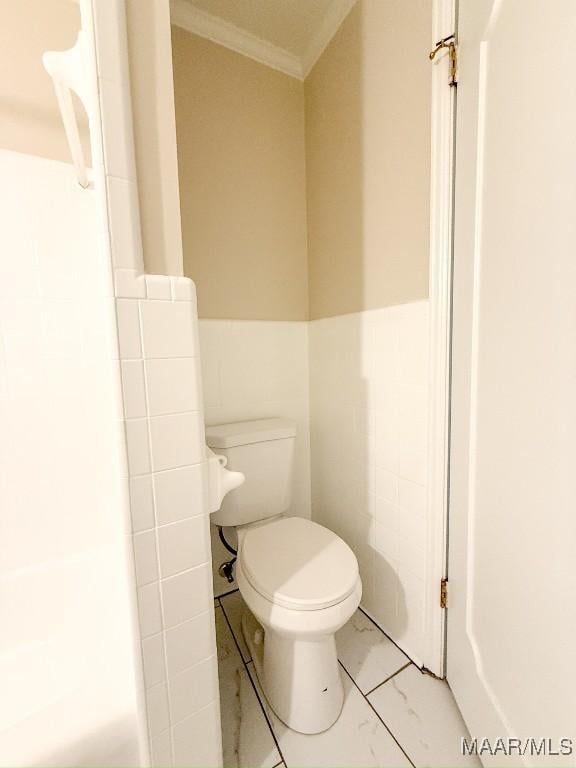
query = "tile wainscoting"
{"x": 166, "y": 459}
{"x": 368, "y": 404}
{"x": 254, "y": 370}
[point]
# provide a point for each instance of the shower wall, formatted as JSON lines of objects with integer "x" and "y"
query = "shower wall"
{"x": 70, "y": 690}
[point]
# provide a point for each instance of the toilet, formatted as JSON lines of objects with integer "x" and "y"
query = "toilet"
{"x": 299, "y": 580}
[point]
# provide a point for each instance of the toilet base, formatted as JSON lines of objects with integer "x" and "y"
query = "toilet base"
{"x": 299, "y": 677}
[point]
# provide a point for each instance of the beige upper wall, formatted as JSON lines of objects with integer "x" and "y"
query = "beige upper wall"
{"x": 241, "y": 156}
{"x": 150, "y": 56}
{"x": 368, "y": 160}
{"x": 29, "y": 116}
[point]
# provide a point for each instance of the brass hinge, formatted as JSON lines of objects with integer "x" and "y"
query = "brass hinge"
{"x": 444, "y": 593}
{"x": 450, "y": 44}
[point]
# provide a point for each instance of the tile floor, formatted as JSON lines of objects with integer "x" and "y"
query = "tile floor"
{"x": 393, "y": 715}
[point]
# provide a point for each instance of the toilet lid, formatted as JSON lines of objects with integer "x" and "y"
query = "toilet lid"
{"x": 298, "y": 564}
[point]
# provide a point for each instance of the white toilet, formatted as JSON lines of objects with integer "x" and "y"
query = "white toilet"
{"x": 299, "y": 580}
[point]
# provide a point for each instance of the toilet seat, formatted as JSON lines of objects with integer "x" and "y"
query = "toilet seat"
{"x": 298, "y": 564}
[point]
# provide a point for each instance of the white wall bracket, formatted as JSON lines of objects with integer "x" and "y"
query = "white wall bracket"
{"x": 69, "y": 74}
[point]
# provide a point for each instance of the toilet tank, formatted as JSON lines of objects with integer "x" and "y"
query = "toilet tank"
{"x": 264, "y": 451}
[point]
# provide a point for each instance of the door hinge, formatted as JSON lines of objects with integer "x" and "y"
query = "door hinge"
{"x": 448, "y": 43}
{"x": 444, "y": 593}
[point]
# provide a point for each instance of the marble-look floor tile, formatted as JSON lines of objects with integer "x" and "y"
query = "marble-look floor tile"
{"x": 246, "y": 738}
{"x": 234, "y": 606}
{"x": 357, "y": 739}
{"x": 422, "y": 714}
{"x": 367, "y": 654}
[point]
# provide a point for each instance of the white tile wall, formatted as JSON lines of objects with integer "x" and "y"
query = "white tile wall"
{"x": 160, "y": 371}
{"x": 157, "y": 330}
{"x": 252, "y": 370}
{"x": 368, "y": 402}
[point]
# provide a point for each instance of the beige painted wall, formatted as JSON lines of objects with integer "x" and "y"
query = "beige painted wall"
{"x": 368, "y": 160}
{"x": 150, "y": 55}
{"x": 29, "y": 117}
{"x": 241, "y": 157}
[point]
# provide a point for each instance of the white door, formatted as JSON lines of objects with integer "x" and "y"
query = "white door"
{"x": 512, "y": 563}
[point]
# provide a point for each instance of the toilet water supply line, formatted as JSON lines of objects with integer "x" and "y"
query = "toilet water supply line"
{"x": 227, "y": 568}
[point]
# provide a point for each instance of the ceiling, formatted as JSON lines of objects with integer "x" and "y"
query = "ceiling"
{"x": 289, "y": 24}
{"x": 291, "y": 33}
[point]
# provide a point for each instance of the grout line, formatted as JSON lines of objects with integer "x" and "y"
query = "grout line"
{"x": 225, "y": 594}
{"x": 409, "y": 664}
{"x": 283, "y": 761}
{"x": 245, "y": 665}
{"x": 378, "y": 715}
{"x": 387, "y": 636}
{"x": 167, "y": 680}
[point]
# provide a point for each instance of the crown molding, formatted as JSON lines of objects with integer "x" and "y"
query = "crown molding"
{"x": 331, "y": 22}
{"x": 192, "y": 19}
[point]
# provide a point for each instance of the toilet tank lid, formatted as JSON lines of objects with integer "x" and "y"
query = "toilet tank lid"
{"x": 246, "y": 432}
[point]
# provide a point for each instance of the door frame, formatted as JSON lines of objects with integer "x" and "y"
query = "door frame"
{"x": 443, "y": 112}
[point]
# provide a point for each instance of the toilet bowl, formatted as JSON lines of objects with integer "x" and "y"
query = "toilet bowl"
{"x": 299, "y": 580}
{"x": 300, "y": 583}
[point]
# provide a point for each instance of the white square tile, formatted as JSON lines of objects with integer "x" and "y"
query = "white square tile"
{"x": 197, "y": 739}
{"x": 422, "y": 714}
{"x": 133, "y": 389}
{"x": 386, "y": 485}
{"x": 128, "y": 329}
{"x": 189, "y": 643}
{"x": 173, "y": 385}
{"x": 412, "y": 438}
{"x": 211, "y": 350}
{"x": 118, "y": 140}
{"x": 128, "y": 283}
{"x": 110, "y": 28}
{"x": 179, "y": 493}
{"x": 153, "y": 660}
{"x": 161, "y": 750}
{"x": 357, "y": 738}
{"x": 158, "y": 287}
{"x": 368, "y": 655}
{"x": 183, "y": 289}
{"x": 186, "y": 595}
{"x": 149, "y": 609}
{"x": 168, "y": 329}
{"x": 125, "y": 234}
{"x": 145, "y": 557}
{"x": 177, "y": 440}
{"x": 194, "y": 688}
{"x": 183, "y": 545}
{"x": 157, "y": 708}
{"x": 137, "y": 445}
{"x": 141, "y": 503}
{"x": 412, "y": 498}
